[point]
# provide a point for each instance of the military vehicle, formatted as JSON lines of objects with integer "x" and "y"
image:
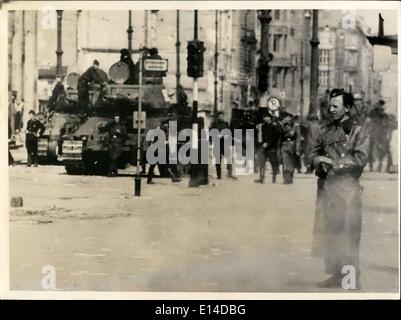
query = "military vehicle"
{"x": 62, "y": 120}
{"x": 85, "y": 150}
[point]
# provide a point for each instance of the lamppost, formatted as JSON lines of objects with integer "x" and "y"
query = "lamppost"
{"x": 130, "y": 30}
{"x": 59, "y": 51}
{"x": 263, "y": 67}
{"x": 314, "y": 70}
{"x": 177, "y": 46}
{"x": 216, "y": 60}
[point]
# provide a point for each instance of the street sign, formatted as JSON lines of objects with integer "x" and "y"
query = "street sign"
{"x": 136, "y": 120}
{"x": 155, "y": 64}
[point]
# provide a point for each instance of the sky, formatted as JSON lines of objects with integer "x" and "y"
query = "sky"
{"x": 371, "y": 18}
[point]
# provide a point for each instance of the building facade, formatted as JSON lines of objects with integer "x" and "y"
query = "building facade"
{"x": 345, "y": 56}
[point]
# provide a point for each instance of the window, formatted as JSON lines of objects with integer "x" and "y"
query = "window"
{"x": 274, "y": 78}
{"x": 323, "y": 79}
{"x": 276, "y": 42}
{"x": 285, "y": 43}
{"x": 276, "y": 14}
{"x": 324, "y": 57}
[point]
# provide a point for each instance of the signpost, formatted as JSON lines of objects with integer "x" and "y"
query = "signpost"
{"x": 155, "y": 65}
{"x": 147, "y": 65}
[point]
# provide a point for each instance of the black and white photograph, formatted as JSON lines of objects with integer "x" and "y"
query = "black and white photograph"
{"x": 193, "y": 147}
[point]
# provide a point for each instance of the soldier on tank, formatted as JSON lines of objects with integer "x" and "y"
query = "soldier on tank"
{"x": 57, "y": 94}
{"x": 271, "y": 134}
{"x": 34, "y": 129}
{"x": 88, "y": 77}
{"x": 117, "y": 135}
{"x": 126, "y": 58}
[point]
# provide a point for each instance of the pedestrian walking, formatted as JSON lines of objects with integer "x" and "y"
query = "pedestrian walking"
{"x": 271, "y": 134}
{"x": 34, "y": 130}
{"x": 222, "y": 148}
{"x": 338, "y": 158}
{"x": 288, "y": 148}
{"x": 171, "y": 168}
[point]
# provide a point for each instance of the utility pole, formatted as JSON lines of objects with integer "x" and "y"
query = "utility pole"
{"x": 301, "y": 74}
{"x": 130, "y": 30}
{"x": 177, "y": 46}
{"x": 59, "y": 51}
{"x": 314, "y": 73}
{"x": 199, "y": 172}
{"x": 138, "y": 150}
{"x": 265, "y": 57}
{"x": 216, "y": 60}
{"x": 194, "y": 174}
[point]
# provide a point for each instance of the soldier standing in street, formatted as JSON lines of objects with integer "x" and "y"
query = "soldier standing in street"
{"x": 34, "y": 129}
{"x": 288, "y": 148}
{"x": 271, "y": 133}
{"x": 171, "y": 168}
{"x": 338, "y": 158}
{"x": 219, "y": 151}
{"x": 84, "y": 80}
{"x": 117, "y": 134}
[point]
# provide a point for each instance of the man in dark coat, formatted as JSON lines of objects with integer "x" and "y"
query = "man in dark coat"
{"x": 126, "y": 58}
{"x": 288, "y": 148}
{"x": 338, "y": 158}
{"x": 57, "y": 93}
{"x": 271, "y": 134}
{"x": 171, "y": 168}
{"x": 117, "y": 135}
{"x": 84, "y": 81}
{"x": 222, "y": 147}
{"x": 34, "y": 129}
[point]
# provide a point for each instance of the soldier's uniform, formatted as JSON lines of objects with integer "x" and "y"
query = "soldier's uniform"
{"x": 219, "y": 151}
{"x": 338, "y": 209}
{"x": 84, "y": 80}
{"x": 57, "y": 94}
{"x": 288, "y": 149}
{"x": 271, "y": 134}
{"x": 171, "y": 168}
{"x": 34, "y": 128}
{"x": 117, "y": 134}
{"x": 133, "y": 73}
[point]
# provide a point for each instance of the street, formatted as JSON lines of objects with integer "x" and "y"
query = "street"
{"x": 230, "y": 236}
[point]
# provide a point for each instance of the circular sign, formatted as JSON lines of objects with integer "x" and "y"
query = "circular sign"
{"x": 72, "y": 80}
{"x": 274, "y": 103}
{"x": 119, "y": 72}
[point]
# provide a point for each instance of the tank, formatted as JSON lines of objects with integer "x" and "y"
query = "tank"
{"x": 84, "y": 151}
{"x": 62, "y": 120}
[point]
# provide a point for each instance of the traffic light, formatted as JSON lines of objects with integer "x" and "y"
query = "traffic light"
{"x": 195, "y": 59}
{"x": 262, "y": 75}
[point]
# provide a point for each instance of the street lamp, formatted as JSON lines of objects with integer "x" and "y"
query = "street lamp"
{"x": 59, "y": 51}
{"x": 129, "y": 32}
{"x": 263, "y": 66}
{"x": 314, "y": 69}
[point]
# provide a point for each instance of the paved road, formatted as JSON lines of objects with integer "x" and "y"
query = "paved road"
{"x": 229, "y": 236}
